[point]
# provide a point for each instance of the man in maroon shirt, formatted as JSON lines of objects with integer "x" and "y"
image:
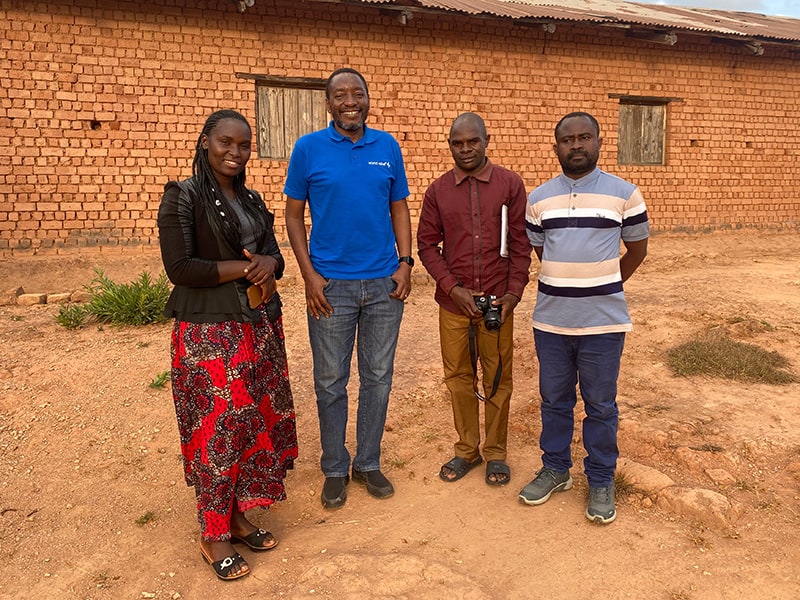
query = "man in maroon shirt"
{"x": 471, "y": 239}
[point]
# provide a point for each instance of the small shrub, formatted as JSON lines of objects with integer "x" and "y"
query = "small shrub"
{"x": 160, "y": 381}
{"x": 139, "y": 303}
{"x": 622, "y": 486}
{"x": 729, "y": 359}
{"x": 71, "y": 316}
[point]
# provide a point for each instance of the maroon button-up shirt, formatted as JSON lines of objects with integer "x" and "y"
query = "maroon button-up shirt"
{"x": 458, "y": 237}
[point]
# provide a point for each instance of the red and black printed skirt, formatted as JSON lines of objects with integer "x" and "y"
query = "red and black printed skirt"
{"x": 236, "y": 419}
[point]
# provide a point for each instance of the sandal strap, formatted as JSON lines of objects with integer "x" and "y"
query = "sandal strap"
{"x": 257, "y": 538}
{"x": 225, "y": 566}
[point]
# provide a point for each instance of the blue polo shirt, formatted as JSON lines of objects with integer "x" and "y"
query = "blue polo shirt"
{"x": 348, "y": 187}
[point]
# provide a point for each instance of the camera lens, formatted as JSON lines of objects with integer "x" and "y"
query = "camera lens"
{"x": 492, "y": 319}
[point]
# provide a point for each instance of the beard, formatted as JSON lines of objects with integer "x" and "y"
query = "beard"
{"x": 578, "y": 163}
{"x": 351, "y": 126}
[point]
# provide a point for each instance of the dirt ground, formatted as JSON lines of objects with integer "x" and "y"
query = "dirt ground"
{"x": 87, "y": 449}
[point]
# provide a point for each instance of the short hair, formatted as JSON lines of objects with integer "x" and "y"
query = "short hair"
{"x": 473, "y": 118}
{"x": 572, "y": 115}
{"x": 339, "y": 72}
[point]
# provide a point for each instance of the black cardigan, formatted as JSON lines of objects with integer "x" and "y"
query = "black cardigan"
{"x": 190, "y": 251}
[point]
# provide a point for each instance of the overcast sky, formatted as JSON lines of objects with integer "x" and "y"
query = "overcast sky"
{"x": 786, "y": 8}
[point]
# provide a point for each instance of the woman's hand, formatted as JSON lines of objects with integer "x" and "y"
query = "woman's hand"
{"x": 261, "y": 269}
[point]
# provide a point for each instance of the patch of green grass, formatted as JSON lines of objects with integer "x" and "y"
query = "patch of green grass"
{"x": 146, "y": 518}
{"x": 71, "y": 316}
{"x": 138, "y": 303}
{"x": 160, "y": 381}
{"x": 728, "y": 359}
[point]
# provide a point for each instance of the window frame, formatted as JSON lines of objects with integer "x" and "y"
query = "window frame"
{"x": 286, "y": 108}
{"x": 642, "y": 130}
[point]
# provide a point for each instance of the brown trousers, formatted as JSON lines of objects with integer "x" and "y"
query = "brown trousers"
{"x": 458, "y": 376}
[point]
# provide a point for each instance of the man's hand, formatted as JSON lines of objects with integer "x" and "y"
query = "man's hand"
{"x": 316, "y": 302}
{"x": 464, "y": 300}
{"x": 402, "y": 277}
{"x": 509, "y": 303}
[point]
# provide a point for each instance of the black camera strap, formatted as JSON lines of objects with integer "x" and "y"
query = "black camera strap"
{"x": 473, "y": 356}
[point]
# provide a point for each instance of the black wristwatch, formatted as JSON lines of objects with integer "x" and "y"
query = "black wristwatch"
{"x": 406, "y": 259}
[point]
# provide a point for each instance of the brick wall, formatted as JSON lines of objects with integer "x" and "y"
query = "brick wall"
{"x": 101, "y": 103}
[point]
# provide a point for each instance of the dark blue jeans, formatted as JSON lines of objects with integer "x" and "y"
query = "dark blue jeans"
{"x": 364, "y": 309}
{"x": 590, "y": 362}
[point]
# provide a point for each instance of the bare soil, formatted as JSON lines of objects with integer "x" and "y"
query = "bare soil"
{"x": 93, "y": 503}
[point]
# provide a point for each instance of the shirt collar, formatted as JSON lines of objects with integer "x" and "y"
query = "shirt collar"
{"x": 367, "y": 138}
{"x": 484, "y": 175}
{"x": 583, "y": 181}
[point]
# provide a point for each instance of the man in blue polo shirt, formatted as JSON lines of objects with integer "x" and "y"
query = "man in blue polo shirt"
{"x": 357, "y": 273}
{"x": 575, "y": 223}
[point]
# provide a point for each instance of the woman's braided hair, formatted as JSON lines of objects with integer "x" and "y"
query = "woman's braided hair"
{"x": 220, "y": 213}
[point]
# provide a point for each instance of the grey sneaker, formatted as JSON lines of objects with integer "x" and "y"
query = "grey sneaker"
{"x": 546, "y": 482}
{"x": 601, "y": 505}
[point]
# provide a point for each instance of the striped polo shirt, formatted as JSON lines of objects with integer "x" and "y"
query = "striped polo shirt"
{"x": 579, "y": 224}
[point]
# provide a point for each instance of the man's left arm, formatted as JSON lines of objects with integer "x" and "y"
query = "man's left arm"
{"x": 401, "y": 224}
{"x": 635, "y": 232}
{"x": 633, "y": 257}
{"x": 519, "y": 249}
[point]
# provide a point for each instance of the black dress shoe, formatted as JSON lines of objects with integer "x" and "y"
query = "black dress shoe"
{"x": 334, "y": 492}
{"x": 376, "y": 482}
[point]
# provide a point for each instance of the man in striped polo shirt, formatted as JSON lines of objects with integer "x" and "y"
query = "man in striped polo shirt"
{"x": 575, "y": 223}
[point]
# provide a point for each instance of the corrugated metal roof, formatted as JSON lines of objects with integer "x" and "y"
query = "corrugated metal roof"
{"x": 719, "y": 23}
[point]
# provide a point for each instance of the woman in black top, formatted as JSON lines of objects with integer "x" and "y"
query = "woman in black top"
{"x": 229, "y": 372}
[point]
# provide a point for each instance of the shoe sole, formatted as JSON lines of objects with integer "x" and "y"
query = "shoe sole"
{"x": 371, "y": 489}
{"x": 561, "y": 487}
{"x": 600, "y": 519}
{"x": 336, "y": 503}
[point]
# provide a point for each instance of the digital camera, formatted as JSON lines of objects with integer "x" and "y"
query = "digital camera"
{"x": 491, "y": 313}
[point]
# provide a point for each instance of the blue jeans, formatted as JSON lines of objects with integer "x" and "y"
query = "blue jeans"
{"x": 592, "y": 362}
{"x": 363, "y": 308}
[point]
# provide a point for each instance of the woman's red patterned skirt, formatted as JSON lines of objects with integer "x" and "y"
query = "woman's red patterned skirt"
{"x": 236, "y": 419}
